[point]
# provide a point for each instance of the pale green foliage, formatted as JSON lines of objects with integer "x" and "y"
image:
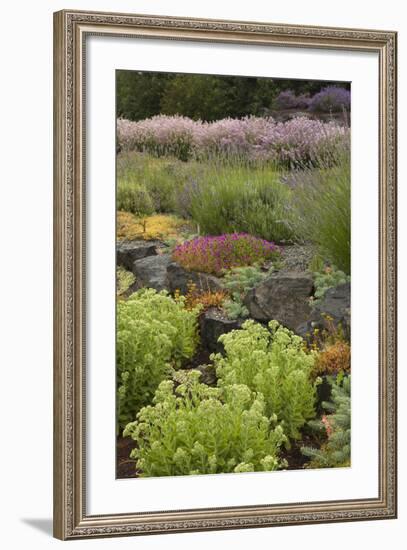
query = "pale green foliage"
{"x": 238, "y": 281}
{"x": 328, "y": 278}
{"x": 274, "y": 363}
{"x": 154, "y": 334}
{"x": 196, "y": 429}
{"x": 336, "y": 451}
{"x": 124, "y": 279}
{"x": 235, "y": 309}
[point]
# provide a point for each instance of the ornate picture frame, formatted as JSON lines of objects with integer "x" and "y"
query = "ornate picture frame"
{"x": 71, "y": 29}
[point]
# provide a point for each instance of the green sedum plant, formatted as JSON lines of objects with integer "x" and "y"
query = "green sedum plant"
{"x": 274, "y": 363}
{"x": 336, "y": 452}
{"x": 155, "y": 334}
{"x": 195, "y": 429}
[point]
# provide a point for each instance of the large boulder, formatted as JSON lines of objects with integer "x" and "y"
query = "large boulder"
{"x": 333, "y": 308}
{"x": 130, "y": 251}
{"x": 151, "y": 271}
{"x": 179, "y": 278}
{"x": 212, "y": 324}
{"x": 284, "y": 296}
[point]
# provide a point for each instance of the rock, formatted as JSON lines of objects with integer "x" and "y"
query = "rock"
{"x": 151, "y": 271}
{"x": 284, "y": 296}
{"x": 208, "y": 374}
{"x": 130, "y": 251}
{"x": 178, "y": 279}
{"x": 212, "y": 324}
{"x": 336, "y": 305}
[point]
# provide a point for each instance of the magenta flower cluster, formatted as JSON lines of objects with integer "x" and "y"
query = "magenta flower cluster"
{"x": 215, "y": 254}
{"x": 251, "y": 138}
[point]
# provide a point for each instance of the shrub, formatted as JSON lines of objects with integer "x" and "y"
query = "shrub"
{"x": 230, "y": 199}
{"x": 160, "y": 135}
{"x": 154, "y": 334}
{"x": 287, "y": 99}
{"x": 328, "y": 278}
{"x": 159, "y": 226}
{"x": 320, "y": 210}
{"x": 274, "y": 363}
{"x": 238, "y": 281}
{"x": 134, "y": 198}
{"x": 336, "y": 451}
{"x": 330, "y": 99}
{"x": 251, "y": 138}
{"x": 163, "y": 178}
{"x": 201, "y": 430}
{"x": 333, "y": 359}
{"x": 214, "y": 254}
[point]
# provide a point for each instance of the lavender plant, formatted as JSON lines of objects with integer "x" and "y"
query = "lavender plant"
{"x": 253, "y": 138}
{"x": 287, "y": 99}
{"x": 241, "y": 198}
{"x": 330, "y": 99}
{"x": 320, "y": 208}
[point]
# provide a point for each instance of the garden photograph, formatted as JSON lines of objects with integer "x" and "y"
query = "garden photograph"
{"x": 233, "y": 274}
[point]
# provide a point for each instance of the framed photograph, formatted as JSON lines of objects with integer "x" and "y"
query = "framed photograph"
{"x": 225, "y": 274}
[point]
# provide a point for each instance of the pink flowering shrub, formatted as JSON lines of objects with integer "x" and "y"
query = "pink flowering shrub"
{"x": 160, "y": 135}
{"x": 251, "y": 138}
{"x": 214, "y": 254}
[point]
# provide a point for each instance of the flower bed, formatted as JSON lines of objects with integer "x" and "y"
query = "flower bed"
{"x": 249, "y": 138}
{"x": 215, "y": 254}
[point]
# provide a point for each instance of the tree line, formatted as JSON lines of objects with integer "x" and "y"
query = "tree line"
{"x": 142, "y": 95}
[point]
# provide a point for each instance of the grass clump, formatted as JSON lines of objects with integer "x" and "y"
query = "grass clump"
{"x": 242, "y": 198}
{"x": 320, "y": 210}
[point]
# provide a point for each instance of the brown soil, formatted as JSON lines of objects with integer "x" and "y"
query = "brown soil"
{"x": 125, "y": 466}
{"x": 294, "y": 457}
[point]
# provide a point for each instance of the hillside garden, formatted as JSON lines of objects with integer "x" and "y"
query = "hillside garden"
{"x": 233, "y": 291}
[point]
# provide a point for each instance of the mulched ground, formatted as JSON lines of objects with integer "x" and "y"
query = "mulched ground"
{"x": 294, "y": 457}
{"x": 296, "y": 257}
{"x": 125, "y": 467}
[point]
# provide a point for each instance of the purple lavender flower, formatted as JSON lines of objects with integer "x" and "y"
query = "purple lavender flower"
{"x": 330, "y": 99}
